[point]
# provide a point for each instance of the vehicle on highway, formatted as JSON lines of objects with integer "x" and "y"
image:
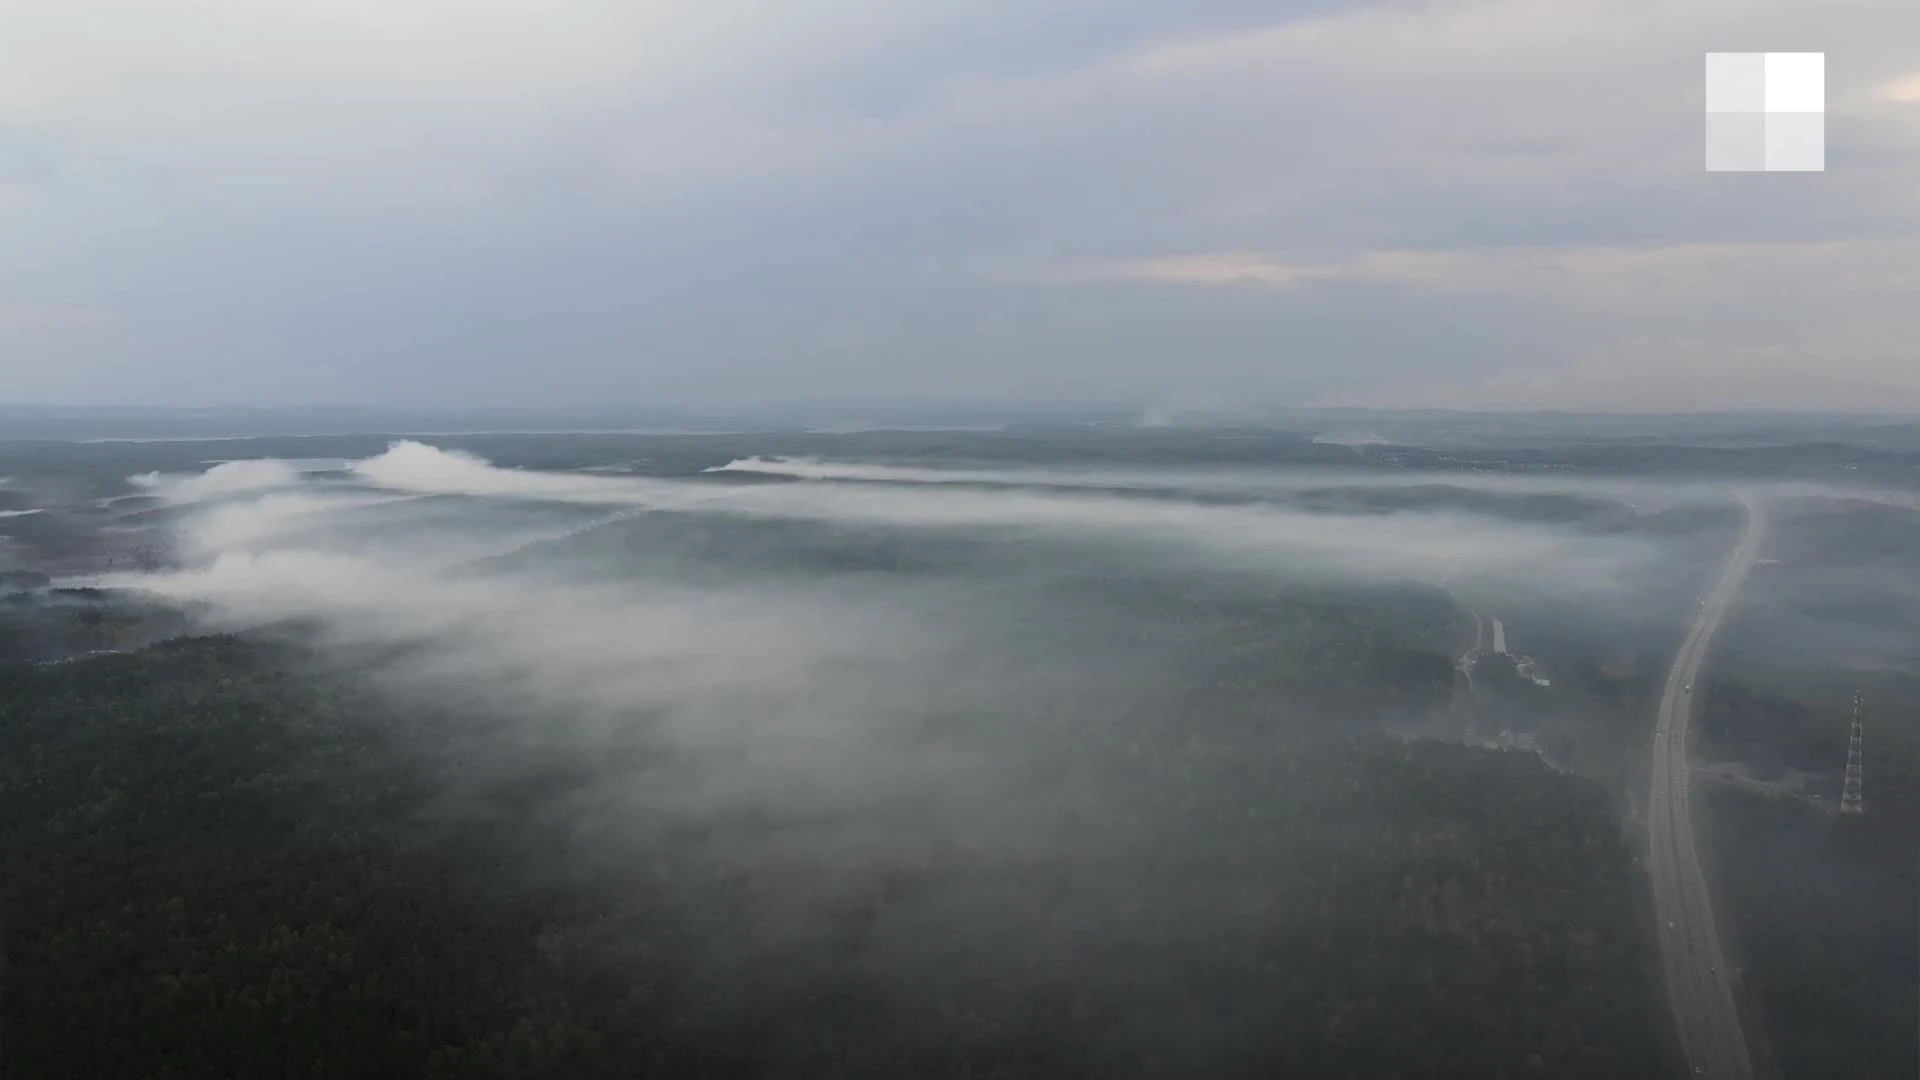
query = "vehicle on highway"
{"x": 1688, "y": 688}
{"x": 1671, "y": 928}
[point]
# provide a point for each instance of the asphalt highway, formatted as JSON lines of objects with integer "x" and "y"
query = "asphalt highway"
{"x": 1696, "y": 972}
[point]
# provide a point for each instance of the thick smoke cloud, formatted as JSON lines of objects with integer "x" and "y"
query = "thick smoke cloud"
{"x": 1412, "y": 545}
{"x": 577, "y": 586}
{"x": 935, "y": 689}
{"x": 601, "y": 611}
{"x": 226, "y": 478}
{"x": 1640, "y": 492}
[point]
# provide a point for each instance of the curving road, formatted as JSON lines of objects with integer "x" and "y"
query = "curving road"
{"x": 1696, "y": 972}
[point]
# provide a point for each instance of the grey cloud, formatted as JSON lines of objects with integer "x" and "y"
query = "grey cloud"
{"x": 853, "y": 198}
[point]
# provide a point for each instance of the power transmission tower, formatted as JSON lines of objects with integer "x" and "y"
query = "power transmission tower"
{"x": 1850, "y": 794}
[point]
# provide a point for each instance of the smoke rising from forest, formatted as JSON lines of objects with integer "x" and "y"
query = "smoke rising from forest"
{"x": 596, "y": 601}
{"x": 1037, "y": 730}
{"x": 871, "y": 671}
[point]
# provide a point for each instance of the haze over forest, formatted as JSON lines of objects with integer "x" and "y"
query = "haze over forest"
{"x": 1044, "y": 747}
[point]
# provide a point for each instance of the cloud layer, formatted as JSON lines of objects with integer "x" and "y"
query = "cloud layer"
{"x": 1493, "y": 202}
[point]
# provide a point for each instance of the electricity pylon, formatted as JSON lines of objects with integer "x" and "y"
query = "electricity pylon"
{"x": 1850, "y": 793}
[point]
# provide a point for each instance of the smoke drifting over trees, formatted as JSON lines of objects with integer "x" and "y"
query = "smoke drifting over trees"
{"x": 769, "y": 764}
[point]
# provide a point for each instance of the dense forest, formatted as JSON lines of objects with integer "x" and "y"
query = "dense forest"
{"x": 1769, "y": 731}
{"x": 1824, "y": 909}
{"x": 45, "y": 625}
{"x": 219, "y": 864}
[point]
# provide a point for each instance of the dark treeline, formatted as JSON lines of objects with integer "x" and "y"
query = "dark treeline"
{"x": 42, "y": 625}
{"x": 216, "y": 865}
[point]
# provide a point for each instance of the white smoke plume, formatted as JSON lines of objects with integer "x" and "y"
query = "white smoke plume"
{"x": 226, "y": 478}
{"x": 809, "y": 688}
{"x": 1638, "y": 491}
{"x": 668, "y": 636}
{"x": 1413, "y": 545}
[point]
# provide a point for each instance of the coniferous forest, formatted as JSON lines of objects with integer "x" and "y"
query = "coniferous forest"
{"x": 220, "y": 862}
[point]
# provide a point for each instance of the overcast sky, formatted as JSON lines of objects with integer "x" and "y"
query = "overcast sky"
{"x": 1471, "y": 203}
